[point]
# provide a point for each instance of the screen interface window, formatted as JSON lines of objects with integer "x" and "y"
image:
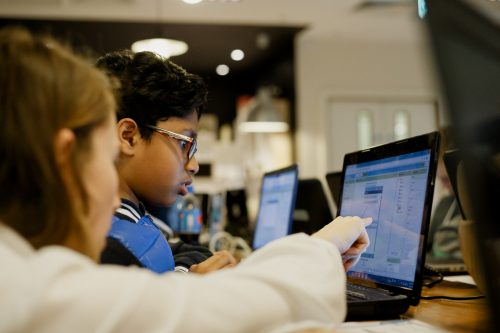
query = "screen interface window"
{"x": 275, "y": 209}
{"x": 392, "y": 191}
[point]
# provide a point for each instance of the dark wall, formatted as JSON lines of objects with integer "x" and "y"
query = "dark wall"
{"x": 209, "y": 45}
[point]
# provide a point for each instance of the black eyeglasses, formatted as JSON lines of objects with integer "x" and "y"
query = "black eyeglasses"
{"x": 188, "y": 144}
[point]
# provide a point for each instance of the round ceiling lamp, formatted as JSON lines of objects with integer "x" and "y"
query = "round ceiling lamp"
{"x": 222, "y": 69}
{"x": 162, "y": 46}
{"x": 237, "y": 55}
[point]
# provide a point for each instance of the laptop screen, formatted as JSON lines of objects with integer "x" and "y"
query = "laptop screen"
{"x": 277, "y": 201}
{"x": 393, "y": 192}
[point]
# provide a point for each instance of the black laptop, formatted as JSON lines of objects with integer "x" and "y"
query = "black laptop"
{"x": 277, "y": 201}
{"x": 333, "y": 180}
{"x": 393, "y": 184}
{"x": 312, "y": 211}
{"x": 465, "y": 40}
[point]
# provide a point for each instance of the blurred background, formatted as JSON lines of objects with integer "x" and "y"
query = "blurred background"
{"x": 341, "y": 75}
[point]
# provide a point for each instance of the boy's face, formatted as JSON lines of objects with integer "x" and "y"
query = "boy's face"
{"x": 160, "y": 169}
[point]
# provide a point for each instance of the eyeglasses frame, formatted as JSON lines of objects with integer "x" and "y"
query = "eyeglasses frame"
{"x": 192, "y": 141}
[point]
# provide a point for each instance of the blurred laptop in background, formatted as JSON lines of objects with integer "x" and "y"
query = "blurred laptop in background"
{"x": 276, "y": 205}
{"x": 466, "y": 44}
{"x": 312, "y": 211}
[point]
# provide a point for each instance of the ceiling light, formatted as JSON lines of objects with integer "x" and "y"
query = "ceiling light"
{"x": 263, "y": 127}
{"x": 262, "y": 40}
{"x": 162, "y": 46}
{"x": 237, "y": 55}
{"x": 192, "y": 2}
{"x": 222, "y": 69}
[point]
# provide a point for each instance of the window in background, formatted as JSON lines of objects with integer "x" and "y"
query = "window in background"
{"x": 401, "y": 125}
{"x": 365, "y": 129}
{"x": 366, "y": 122}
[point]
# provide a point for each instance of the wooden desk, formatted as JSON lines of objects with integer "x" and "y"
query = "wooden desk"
{"x": 455, "y": 316}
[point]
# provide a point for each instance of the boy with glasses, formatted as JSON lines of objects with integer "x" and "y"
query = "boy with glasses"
{"x": 60, "y": 192}
{"x": 159, "y": 105}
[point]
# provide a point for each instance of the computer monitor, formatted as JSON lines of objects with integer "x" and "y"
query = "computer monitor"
{"x": 466, "y": 47}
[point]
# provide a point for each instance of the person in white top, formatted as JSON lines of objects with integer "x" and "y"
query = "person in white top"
{"x": 58, "y": 192}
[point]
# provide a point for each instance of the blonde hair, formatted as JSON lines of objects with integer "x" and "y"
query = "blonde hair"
{"x": 44, "y": 87}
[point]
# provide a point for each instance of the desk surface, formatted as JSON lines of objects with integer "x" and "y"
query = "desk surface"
{"x": 452, "y": 315}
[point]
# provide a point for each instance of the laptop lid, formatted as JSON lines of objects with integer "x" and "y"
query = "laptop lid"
{"x": 312, "y": 211}
{"x": 465, "y": 40}
{"x": 452, "y": 159}
{"x": 333, "y": 180}
{"x": 393, "y": 184}
{"x": 277, "y": 201}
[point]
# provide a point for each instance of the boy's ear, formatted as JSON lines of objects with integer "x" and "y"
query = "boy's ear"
{"x": 128, "y": 135}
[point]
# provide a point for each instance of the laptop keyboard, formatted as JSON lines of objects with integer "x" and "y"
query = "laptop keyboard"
{"x": 357, "y": 292}
{"x": 354, "y": 295}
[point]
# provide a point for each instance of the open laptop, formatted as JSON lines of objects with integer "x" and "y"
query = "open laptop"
{"x": 465, "y": 39}
{"x": 393, "y": 184}
{"x": 277, "y": 201}
{"x": 449, "y": 266}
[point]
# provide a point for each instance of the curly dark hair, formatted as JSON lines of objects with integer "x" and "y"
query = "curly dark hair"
{"x": 153, "y": 88}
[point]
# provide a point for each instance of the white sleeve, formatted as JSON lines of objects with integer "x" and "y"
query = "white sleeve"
{"x": 294, "y": 282}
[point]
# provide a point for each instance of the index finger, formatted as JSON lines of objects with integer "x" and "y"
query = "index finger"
{"x": 366, "y": 220}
